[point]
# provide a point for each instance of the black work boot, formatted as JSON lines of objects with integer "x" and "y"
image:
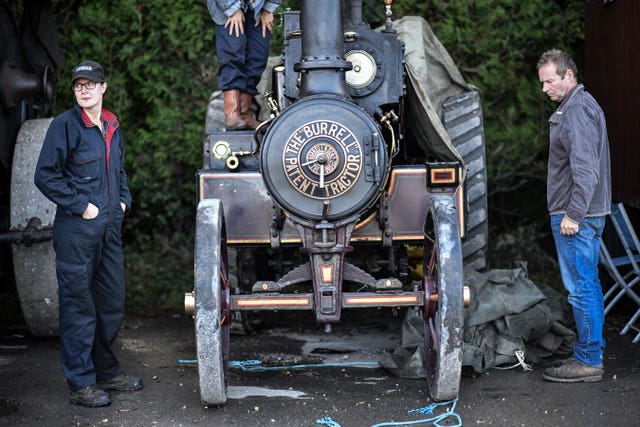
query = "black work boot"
{"x": 573, "y": 371}
{"x": 90, "y": 396}
{"x": 121, "y": 382}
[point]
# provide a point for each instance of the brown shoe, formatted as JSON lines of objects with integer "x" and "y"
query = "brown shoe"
{"x": 232, "y": 111}
{"x": 245, "y": 110}
{"x": 90, "y": 396}
{"x": 121, "y": 382}
{"x": 573, "y": 371}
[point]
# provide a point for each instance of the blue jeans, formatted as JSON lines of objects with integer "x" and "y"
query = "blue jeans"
{"x": 578, "y": 258}
{"x": 241, "y": 60}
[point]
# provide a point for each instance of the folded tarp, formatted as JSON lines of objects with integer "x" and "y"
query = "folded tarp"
{"x": 509, "y": 313}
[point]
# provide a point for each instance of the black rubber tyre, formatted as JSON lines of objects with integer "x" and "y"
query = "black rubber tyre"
{"x": 212, "y": 296}
{"x": 215, "y": 120}
{"x": 444, "y": 313}
{"x": 462, "y": 118}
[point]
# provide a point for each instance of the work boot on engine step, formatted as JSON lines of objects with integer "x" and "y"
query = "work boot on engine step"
{"x": 245, "y": 110}
{"x": 232, "y": 111}
{"x": 573, "y": 371}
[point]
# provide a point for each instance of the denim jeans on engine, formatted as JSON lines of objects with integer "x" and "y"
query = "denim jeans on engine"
{"x": 578, "y": 258}
{"x": 241, "y": 60}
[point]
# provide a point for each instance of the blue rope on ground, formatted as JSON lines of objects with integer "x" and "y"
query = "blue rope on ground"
{"x": 426, "y": 410}
{"x": 328, "y": 422}
{"x": 429, "y": 410}
{"x": 256, "y": 365}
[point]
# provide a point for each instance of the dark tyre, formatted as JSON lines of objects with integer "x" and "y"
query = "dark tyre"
{"x": 444, "y": 303}
{"x": 462, "y": 118}
{"x": 215, "y": 121}
{"x": 212, "y": 296}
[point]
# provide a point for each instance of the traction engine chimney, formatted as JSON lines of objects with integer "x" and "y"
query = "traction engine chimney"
{"x": 322, "y": 64}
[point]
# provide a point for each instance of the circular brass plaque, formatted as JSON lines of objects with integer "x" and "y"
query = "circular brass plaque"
{"x": 322, "y": 159}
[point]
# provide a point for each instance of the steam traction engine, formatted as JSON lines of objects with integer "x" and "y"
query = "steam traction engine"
{"x": 315, "y": 209}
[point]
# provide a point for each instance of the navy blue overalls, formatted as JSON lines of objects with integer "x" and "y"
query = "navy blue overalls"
{"x": 79, "y": 164}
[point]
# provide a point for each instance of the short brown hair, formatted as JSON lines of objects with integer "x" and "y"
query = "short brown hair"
{"x": 562, "y": 60}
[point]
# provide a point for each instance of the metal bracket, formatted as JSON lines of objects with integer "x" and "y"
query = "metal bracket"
{"x": 277, "y": 224}
{"x": 383, "y": 221}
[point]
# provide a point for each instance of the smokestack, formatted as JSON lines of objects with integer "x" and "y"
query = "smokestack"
{"x": 356, "y": 12}
{"x": 322, "y": 64}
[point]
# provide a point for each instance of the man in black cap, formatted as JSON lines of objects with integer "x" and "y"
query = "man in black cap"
{"x": 81, "y": 169}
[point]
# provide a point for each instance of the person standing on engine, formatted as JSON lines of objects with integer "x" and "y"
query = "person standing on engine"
{"x": 243, "y": 31}
{"x": 81, "y": 170}
{"x": 578, "y": 199}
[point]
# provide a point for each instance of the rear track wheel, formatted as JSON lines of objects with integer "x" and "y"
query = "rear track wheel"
{"x": 462, "y": 117}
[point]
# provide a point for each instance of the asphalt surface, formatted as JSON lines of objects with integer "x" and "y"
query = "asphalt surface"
{"x": 33, "y": 391}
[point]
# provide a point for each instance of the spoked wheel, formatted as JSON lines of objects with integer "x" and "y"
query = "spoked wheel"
{"x": 444, "y": 304}
{"x": 212, "y": 310}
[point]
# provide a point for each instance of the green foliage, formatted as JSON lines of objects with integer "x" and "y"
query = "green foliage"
{"x": 161, "y": 60}
{"x": 159, "y": 272}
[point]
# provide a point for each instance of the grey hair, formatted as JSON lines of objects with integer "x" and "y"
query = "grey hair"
{"x": 561, "y": 59}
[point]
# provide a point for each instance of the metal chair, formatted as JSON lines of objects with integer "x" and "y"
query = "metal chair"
{"x": 623, "y": 282}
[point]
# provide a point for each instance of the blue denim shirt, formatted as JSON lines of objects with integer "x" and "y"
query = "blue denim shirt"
{"x": 221, "y": 10}
{"x": 579, "y": 174}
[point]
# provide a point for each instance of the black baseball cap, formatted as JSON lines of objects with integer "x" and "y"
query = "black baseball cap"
{"x": 89, "y": 70}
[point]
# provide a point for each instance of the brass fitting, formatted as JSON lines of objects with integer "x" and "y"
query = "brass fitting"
{"x": 189, "y": 303}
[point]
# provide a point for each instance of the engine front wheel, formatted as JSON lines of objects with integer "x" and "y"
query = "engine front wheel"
{"x": 444, "y": 303}
{"x": 212, "y": 296}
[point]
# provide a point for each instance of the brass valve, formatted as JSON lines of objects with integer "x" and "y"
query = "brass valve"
{"x": 222, "y": 151}
{"x": 388, "y": 14}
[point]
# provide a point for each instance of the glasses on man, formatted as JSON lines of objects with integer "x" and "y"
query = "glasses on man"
{"x": 88, "y": 85}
